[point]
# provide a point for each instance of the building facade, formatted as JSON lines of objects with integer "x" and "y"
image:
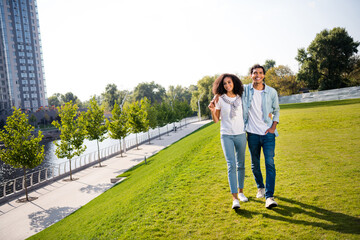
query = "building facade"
{"x": 22, "y": 81}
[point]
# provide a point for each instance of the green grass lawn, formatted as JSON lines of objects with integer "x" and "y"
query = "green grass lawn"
{"x": 183, "y": 193}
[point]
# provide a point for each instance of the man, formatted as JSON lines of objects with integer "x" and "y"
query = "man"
{"x": 261, "y": 115}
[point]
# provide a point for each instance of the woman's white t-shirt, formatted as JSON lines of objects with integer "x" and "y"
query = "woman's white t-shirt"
{"x": 230, "y": 126}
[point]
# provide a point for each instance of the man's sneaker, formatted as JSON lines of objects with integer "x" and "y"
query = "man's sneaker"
{"x": 236, "y": 204}
{"x": 242, "y": 197}
{"x": 260, "y": 193}
{"x": 270, "y": 203}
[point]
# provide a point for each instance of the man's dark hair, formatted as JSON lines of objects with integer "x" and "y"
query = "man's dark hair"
{"x": 257, "y": 66}
{"x": 218, "y": 86}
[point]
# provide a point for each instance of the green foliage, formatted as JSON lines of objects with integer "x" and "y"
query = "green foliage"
{"x": 137, "y": 118}
{"x": 117, "y": 126}
{"x": 283, "y": 80}
{"x": 151, "y": 113}
{"x": 179, "y": 93}
{"x": 95, "y": 124}
{"x": 183, "y": 192}
{"x": 110, "y": 96}
{"x": 152, "y": 91}
{"x": 69, "y": 97}
{"x": 270, "y": 63}
{"x": 54, "y": 100}
{"x": 32, "y": 119}
{"x": 327, "y": 60}
{"x": 204, "y": 93}
{"x": 73, "y": 132}
{"x": 22, "y": 149}
{"x": 95, "y": 119}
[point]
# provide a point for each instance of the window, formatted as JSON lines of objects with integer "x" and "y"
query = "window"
{"x": 32, "y": 82}
{"x": 34, "y": 95}
{"x": 27, "y": 104}
{"x": 24, "y": 82}
{"x": 25, "y": 89}
{"x": 26, "y": 95}
{"x": 35, "y": 104}
{"x": 21, "y": 60}
{"x": 23, "y": 68}
{"x": 23, "y": 75}
{"x": 29, "y": 54}
{"x": 32, "y": 75}
{"x": 33, "y": 89}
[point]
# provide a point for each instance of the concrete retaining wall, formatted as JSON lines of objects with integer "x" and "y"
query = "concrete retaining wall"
{"x": 327, "y": 95}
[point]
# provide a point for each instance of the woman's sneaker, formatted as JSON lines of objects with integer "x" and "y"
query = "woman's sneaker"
{"x": 242, "y": 197}
{"x": 236, "y": 204}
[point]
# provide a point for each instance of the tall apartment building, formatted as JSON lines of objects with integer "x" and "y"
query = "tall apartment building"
{"x": 22, "y": 81}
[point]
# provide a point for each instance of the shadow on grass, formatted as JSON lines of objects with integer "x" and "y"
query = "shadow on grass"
{"x": 324, "y": 219}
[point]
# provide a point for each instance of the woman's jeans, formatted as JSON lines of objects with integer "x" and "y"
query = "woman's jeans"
{"x": 267, "y": 142}
{"x": 234, "y": 150}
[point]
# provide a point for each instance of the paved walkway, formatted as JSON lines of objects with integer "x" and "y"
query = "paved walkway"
{"x": 59, "y": 199}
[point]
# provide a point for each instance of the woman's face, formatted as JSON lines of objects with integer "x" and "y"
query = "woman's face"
{"x": 228, "y": 84}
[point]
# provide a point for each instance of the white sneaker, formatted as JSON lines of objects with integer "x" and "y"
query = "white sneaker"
{"x": 242, "y": 197}
{"x": 260, "y": 193}
{"x": 236, "y": 204}
{"x": 270, "y": 203}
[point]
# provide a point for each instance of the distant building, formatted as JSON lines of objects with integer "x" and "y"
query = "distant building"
{"x": 22, "y": 81}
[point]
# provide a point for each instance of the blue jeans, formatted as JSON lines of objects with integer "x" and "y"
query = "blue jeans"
{"x": 267, "y": 143}
{"x": 234, "y": 150}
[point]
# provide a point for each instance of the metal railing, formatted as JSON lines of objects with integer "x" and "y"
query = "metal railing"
{"x": 10, "y": 187}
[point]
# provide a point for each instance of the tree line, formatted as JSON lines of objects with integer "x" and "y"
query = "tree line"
{"x": 330, "y": 61}
{"x": 22, "y": 148}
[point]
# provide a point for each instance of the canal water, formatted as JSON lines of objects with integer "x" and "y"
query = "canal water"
{"x": 7, "y": 172}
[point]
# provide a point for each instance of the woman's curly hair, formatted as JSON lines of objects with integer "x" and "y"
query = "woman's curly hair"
{"x": 218, "y": 86}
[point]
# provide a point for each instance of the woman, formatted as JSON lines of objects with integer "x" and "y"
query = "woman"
{"x": 233, "y": 138}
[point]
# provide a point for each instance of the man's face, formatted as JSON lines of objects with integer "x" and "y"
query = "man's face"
{"x": 257, "y": 75}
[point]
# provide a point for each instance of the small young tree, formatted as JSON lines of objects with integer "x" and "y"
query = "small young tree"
{"x": 95, "y": 127}
{"x": 151, "y": 115}
{"x": 117, "y": 126}
{"x": 73, "y": 132}
{"x": 137, "y": 120}
{"x": 160, "y": 116}
{"x": 22, "y": 149}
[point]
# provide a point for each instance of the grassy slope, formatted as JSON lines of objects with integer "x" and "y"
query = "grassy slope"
{"x": 183, "y": 192}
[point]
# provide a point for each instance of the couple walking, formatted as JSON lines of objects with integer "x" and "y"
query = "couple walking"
{"x": 251, "y": 109}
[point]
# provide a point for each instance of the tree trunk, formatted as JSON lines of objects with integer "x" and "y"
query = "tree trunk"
{"x": 97, "y": 141}
{"x": 149, "y": 135}
{"x": 137, "y": 145}
{"x": 25, "y": 185}
{"x": 167, "y": 127}
{"x": 70, "y": 170}
{"x": 159, "y": 133}
{"x": 120, "y": 147}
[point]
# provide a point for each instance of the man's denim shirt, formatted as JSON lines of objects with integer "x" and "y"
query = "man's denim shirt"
{"x": 270, "y": 104}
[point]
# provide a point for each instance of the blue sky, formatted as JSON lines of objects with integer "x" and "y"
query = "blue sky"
{"x": 88, "y": 44}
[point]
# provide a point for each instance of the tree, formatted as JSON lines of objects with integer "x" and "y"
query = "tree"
{"x": 283, "y": 80}
{"x": 204, "y": 94}
{"x": 110, "y": 95}
{"x": 269, "y": 64}
{"x": 73, "y": 132}
{"x": 327, "y": 59}
{"x": 161, "y": 115}
{"x": 55, "y": 100}
{"x": 137, "y": 119}
{"x": 69, "y": 96}
{"x": 154, "y": 92}
{"x": 32, "y": 120}
{"x": 95, "y": 124}
{"x": 117, "y": 126}
{"x": 179, "y": 93}
{"x": 22, "y": 148}
{"x": 150, "y": 115}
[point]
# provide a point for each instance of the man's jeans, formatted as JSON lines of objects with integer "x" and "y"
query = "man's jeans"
{"x": 234, "y": 150}
{"x": 267, "y": 142}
